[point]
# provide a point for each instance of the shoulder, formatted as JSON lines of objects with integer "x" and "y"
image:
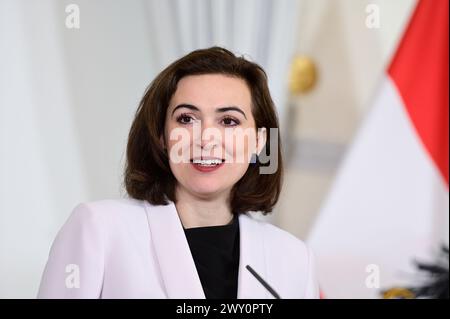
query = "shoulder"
{"x": 103, "y": 215}
{"x": 108, "y": 208}
{"x": 281, "y": 247}
{"x": 86, "y": 241}
{"x": 276, "y": 237}
{"x": 289, "y": 257}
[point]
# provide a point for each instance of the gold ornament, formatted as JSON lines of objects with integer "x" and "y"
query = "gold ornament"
{"x": 303, "y": 75}
{"x": 398, "y": 293}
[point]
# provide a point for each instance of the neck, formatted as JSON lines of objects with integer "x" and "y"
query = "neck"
{"x": 196, "y": 211}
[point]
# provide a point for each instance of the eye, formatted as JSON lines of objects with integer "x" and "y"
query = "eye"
{"x": 229, "y": 121}
{"x": 185, "y": 119}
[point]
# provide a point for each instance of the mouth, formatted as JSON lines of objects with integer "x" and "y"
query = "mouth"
{"x": 207, "y": 164}
{"x": 207, "y": 161}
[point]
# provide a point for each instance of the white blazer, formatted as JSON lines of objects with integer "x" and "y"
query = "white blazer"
{"x": 128, "y": 248}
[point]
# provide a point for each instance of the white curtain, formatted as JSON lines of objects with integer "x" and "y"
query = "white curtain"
{"x": 262, "y": 30}
{"x": 67, "y": 98}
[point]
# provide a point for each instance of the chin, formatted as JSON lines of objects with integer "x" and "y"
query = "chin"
{"x": 206, "y": 189}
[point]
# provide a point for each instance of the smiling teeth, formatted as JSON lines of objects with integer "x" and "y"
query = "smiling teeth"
{"x": 207, "y": 162}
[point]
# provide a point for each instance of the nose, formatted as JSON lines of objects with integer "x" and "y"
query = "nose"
{"x": 207, "y": 142}
{"x": 207, "y": 137}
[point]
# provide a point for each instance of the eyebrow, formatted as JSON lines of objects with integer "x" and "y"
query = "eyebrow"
{"x": 218, "y": 110}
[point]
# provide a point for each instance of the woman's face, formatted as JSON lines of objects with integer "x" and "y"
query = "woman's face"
{"x": 203, "y": 112}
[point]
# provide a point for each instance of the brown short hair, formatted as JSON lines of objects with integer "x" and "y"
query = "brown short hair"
{"x": 147, "y": 173}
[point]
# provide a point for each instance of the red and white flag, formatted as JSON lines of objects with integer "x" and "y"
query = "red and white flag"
{"x": 389, "y": 204}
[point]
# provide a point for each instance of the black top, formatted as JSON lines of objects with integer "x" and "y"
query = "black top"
{"x": 215, "y": 250}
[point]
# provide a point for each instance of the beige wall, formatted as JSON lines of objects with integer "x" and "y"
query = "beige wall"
{"x": 350, "y": 59}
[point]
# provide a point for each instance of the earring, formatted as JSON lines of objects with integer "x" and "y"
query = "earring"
{"x": 254, "y": 158}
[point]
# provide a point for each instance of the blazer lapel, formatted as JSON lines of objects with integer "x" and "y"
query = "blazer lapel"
{"x": 177, "y": 266}
{"x": 178, "y": 271}
{"x": 252, "y": 254}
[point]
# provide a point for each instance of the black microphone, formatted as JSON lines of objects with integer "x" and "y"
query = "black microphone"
{"x": 263, "y": 282}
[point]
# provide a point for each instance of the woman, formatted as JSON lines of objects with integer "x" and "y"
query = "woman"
{"x": 185, "y": 231}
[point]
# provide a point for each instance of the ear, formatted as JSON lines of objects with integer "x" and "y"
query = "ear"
{"x": 261, "y": 139}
